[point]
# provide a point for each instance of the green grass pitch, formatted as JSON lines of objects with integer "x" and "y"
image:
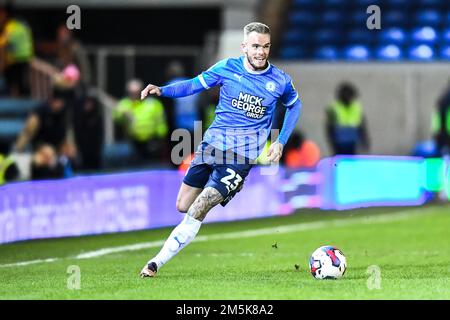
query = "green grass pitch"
{"x": 411, "y": 247}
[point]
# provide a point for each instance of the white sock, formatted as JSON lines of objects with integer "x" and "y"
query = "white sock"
{"x": 178, "y": 239}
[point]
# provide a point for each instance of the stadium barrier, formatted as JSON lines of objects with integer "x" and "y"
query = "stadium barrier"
{"x": 143, "y": 200}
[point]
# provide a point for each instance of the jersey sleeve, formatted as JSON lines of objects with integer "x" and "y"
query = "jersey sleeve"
{"x": 214, "y": 75}
{"x": 290, "y": 95}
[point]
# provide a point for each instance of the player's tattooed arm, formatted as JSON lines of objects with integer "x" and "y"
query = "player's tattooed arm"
{"x": 206, "y": 200}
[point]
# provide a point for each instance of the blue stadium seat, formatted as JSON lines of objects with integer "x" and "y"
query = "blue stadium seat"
{"x": 335, "y": 4}
{"x": 428, "y": 3}
{"x": 296, "y": 37}
{"x": 389, "y": 52}
{"x": 445, "y": 36}
{"x": 361, "y": 35}
{"x": 10, "y": 128}
{"x": 17, "y": 107}
{"x": 332, "y": 18}
{"x": 327, "y": 36}
{"x": 359, "y": 18}
{"x": 398, "y": 4}
{"x": 445, "y": 53}
{"x": 357, "y": 52}
{"x": 428, "y": 18}
{"x": 117, "y": 154}
{"x": 447, "y": 19}
{"x": 425, "y": 35}
{"x": 292, "y": 52}
{"x": 304, "y": 4}
{"x": 302, "y": 18}
{"x": 326, "y": 53}
{"x": 421, "y": 52}
{"x": 392, "y": 36}
{"x": 394, "y": 19}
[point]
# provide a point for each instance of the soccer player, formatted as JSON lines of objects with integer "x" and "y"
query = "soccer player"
{"x": 250, "y": 89}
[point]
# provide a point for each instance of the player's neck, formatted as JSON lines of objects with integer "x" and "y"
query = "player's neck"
{"x": 250, "y": 68}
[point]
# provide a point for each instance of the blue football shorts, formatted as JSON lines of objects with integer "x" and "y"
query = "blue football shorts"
{"x": 225, "y": 171}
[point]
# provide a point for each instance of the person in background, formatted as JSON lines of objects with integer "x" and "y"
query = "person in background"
{"x": 16, "y": 52}
{"x": 346, "y": 125}
{"x": 89, "y": 133}
{"x": 47, "y": 124}
{"x": 8, "y": 169}
{"x": 185, "y": 110}
{"x": 144, "y": 121}
{"x": 441, "y": 124}
{"x": 301, "y": 152}
{"x": 46, "y": 164}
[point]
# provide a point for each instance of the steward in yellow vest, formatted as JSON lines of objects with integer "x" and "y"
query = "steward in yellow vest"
{"x": 144, "y": 121}
{"x": 346, "y": 126}
{"x": 8, "y": 169}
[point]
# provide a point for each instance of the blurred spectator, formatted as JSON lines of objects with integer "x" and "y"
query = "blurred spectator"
{"x": 144, "y": 122}
{"x": 71, "y": 57}
{"x": 47, "y": 124}
{"x": 16, "y": 52}
{"x": 346, "y": 125}
{"x": 88, "y": 130}
{"x": 300, "y": 152}
{"x": 185, "y": 110}
{"x": 47, "y": 165}
{"x": 209, "y": 101}
{"x": 441, "y": 123}
{"x": 8, "y": 169}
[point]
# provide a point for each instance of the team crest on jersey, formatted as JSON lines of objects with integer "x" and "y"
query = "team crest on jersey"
{"x": 270, "y": 86}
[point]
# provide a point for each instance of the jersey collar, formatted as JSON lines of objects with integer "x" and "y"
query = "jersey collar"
{"x": 253, "y": 71}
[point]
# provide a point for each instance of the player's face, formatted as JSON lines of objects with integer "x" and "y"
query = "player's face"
{"x": 257, "y": 49}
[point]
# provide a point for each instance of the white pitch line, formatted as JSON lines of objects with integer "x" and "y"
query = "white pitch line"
{"x": 238, "y": 235}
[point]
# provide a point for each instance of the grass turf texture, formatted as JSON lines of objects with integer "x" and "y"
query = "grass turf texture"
{"x": 411, "y": 247}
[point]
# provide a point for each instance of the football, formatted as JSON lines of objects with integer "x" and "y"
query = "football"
{"x": 327, "y": 262}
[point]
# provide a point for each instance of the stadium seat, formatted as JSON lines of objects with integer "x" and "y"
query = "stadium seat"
{"x": 358, "y": 19}
{"x": 394, "y": 19}
{"x": 335, "y": 4}
{"x": 357, "y": 52}
{"x": 302, "y": 18}
{"x": 398, "y": 4}
{"x": 303, "y": 3}
{"x": 17, "y": 107}
{"x": 428, "y": 18}
{"x": 447, "y": 19}
{"x": 421, "y": 52}
{"x": 327, "y": 36}
{"x": 332, "y": 18}
{"x": 393, "y": 36}
{"x": 445, "y": 53}
{"x": 326, "y": 53}
{"x": 389, "y": 52}
{"x": 10, "y": 129}
{"x": 425, "y": 35}
{"x": 292, "y": 52}
{"x": 445, "y": 36}
{"x": 361, "y": 36}
{"x": 293, "y": 37}
{"x": 428, "y": 3}
{"x": 117, "y": 154}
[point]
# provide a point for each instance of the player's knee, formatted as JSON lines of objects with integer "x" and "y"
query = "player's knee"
{"x": 182, "y": 206}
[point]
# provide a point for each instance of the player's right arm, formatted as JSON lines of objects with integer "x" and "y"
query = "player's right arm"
{"x": 204, "y": 81}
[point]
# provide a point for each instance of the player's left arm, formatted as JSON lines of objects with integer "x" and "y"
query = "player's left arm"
{"x": 293, "y": 106}
{"x": 175, "y": 90}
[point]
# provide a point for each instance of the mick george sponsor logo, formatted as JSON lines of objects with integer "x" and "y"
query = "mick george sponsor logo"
{"x": 251, "y": 104}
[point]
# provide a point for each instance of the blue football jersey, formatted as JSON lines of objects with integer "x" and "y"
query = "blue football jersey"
{"x": 246, "y": 105}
